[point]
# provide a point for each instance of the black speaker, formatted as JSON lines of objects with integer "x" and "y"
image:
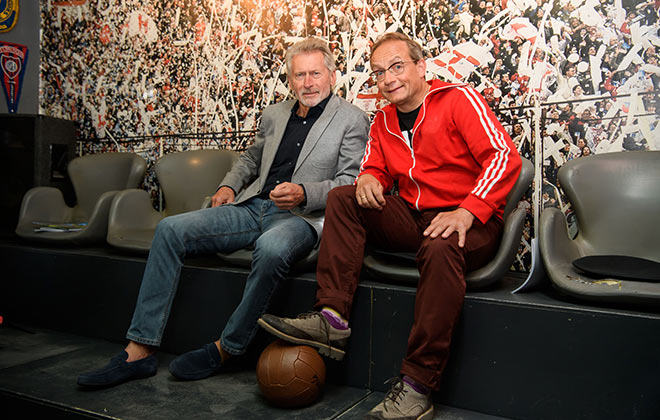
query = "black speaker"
{"x": 34, "y": 151}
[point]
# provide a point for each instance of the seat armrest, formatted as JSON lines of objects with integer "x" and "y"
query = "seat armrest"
{"x": 132, "y": 208}
{"x": 506, "y": 253}
{"x": 132, "y": 221}
{"x": 97, "y": 225}
{"x": 554, "y": 243}
{"x": 44, "y": 204}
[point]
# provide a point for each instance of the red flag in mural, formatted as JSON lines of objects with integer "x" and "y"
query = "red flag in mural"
{"x": 520, "y": 27}
{"x": 200, "y": 29}
{"x": 13, "y": 59}
{"x": 105, "y": 34}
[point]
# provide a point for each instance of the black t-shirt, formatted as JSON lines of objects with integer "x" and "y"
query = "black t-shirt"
{"x": 407, "y": 122}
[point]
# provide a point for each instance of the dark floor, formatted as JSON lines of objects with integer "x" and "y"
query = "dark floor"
{"x": 38, "y": 370}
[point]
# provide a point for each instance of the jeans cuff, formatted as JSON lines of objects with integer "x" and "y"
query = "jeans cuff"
{"x": 141, "y": 340}
{"x": 229, "y": 349}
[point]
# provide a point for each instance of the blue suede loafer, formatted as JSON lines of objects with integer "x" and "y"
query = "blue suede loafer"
{"x": 197, "y": 364}
{"x": 118, "y": 371}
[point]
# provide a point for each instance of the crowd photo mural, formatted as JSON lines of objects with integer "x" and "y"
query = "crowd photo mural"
{"x": 567, "y": 78}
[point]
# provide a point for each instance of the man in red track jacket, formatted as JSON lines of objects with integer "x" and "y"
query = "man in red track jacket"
{"x": 454, "y": 165}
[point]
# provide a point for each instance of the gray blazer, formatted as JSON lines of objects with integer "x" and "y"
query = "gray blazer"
{"x": 329, "y": 158}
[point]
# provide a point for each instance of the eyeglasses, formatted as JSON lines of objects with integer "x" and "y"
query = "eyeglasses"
{"x": 395, "y": 69}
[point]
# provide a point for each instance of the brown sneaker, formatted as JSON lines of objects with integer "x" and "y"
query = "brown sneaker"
{"x": 311, "y": 329}
{"x": 402, "y": 402}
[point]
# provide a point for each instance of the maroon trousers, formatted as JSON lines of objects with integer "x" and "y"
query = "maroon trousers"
{"x": 441, "y": 262}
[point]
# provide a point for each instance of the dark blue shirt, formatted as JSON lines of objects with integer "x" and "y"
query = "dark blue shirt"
{"x": 297, "y": 129}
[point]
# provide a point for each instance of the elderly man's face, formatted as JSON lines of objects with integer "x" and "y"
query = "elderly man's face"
{"x": 405, "y": 90}
{"x": 310, "y": 79}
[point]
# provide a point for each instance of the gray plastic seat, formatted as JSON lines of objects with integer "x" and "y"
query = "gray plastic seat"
{"x": 243, "y": 258}
{"x": 96, "y": 179}
{"x": 186, "y": 180}
{"x": 401, "y": 266}
{"x": 616, "y": 201}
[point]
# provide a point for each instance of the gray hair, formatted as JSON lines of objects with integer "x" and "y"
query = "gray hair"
{"x": 307, "y": 46}
{"x": 414, "y": 50}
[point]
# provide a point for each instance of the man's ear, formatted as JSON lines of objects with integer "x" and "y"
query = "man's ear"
{"x": 421, "y": 68}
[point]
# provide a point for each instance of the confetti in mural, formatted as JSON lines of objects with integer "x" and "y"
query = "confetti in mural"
{"x": 567, "y": 78}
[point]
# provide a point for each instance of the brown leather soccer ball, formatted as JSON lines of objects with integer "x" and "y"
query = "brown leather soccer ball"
{"x": 290, "y": 375}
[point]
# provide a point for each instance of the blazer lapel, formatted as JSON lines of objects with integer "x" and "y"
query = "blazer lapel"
{"x": 317, "y": 130}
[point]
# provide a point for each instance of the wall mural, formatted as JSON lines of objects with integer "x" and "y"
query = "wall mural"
{"x": 568, "y": 78}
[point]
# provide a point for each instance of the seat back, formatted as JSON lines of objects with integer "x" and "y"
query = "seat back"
{"x": 186, "y": 178}
{"x": 616, "y": 200}
{"x": 93, "y": 175}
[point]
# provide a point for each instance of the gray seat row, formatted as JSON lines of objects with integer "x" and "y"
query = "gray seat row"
{"x": 615, "y": 256}
{"x": 110, "y": 206}
{"x": 616, "y": 198}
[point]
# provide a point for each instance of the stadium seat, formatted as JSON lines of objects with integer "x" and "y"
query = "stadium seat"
{"x": 401, "y": 266}
{"x": 186, "y": 180}
{"x": 616, "y": 200}
{"x": 96, "y": 179}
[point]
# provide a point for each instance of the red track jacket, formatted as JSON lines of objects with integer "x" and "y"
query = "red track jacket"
{"x": 461, "y": 156}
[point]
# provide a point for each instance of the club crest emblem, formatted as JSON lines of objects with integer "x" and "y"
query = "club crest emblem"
{"x": 8, "y": 14}
{"x": 13, "y": 58}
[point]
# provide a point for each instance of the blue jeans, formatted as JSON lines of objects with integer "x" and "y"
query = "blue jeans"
{"x": 279, "y": 239}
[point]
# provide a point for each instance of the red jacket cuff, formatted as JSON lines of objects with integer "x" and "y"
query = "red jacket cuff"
{"x": 479, "y": 208}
